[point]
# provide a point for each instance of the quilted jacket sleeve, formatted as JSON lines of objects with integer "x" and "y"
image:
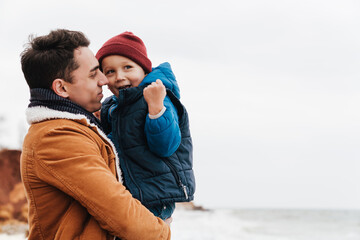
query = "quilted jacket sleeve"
{"x": 163, "y": 133}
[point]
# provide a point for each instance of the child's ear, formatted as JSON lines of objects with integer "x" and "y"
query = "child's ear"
{"x": 59, "y": 87}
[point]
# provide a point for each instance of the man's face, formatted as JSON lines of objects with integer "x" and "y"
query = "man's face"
{"x": 87, "y": 81}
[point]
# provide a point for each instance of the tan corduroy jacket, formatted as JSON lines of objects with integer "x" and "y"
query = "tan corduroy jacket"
{"x": 69, "y": 170}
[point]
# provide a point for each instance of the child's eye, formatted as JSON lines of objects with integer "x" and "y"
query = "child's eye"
{"x": 108, "y": 72}
{"x": 128, "y": 67}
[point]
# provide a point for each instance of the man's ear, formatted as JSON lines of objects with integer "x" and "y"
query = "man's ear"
{"x": 59, "y": 87}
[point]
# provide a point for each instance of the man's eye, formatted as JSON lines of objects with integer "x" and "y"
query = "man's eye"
{"x": 93, "y": 75}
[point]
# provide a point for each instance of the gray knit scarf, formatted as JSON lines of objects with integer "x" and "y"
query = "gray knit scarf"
{"x": 47, "y": 98}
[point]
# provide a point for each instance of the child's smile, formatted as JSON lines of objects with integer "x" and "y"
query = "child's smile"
{"x": 125, "y": 87}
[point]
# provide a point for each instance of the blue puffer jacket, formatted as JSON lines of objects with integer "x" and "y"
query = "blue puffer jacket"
{"x": 152, "y": 177}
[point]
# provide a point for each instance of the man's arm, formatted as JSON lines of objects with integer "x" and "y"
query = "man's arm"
{"x": 71, "y": 160}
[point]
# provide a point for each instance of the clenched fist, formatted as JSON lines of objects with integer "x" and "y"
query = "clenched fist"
{"x": 154, "y": 95}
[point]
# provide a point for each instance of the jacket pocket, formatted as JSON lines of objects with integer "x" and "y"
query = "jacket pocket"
{"x": 176, "y": 176}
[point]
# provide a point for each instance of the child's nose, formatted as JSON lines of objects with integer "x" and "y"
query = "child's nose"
{"x": 120, "y": 75}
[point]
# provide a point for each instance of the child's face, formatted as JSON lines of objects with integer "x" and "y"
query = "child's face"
{"x": 121, "y": 73}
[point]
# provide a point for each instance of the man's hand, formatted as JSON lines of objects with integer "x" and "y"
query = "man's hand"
{"x": 168, "y": 221}
{"x": 154, "y": 95}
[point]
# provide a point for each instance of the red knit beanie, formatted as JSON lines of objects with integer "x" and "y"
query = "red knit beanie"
{"x": 128, "y": 45}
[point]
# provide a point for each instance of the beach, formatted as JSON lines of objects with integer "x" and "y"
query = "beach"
{"x": 259, "y": 224}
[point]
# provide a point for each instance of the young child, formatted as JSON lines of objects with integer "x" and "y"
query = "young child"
{"x": 148, "y": 125}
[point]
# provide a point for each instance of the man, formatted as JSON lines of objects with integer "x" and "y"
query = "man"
{"x": 68, "y": 165}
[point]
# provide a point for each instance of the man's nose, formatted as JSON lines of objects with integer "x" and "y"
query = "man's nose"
{"x": 103, "y": 80}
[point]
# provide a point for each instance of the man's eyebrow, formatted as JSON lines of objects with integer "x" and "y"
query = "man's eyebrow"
{"x": 94, "y": 68}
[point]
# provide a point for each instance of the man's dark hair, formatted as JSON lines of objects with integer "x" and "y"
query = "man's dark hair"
{"x": 49, "y": 57}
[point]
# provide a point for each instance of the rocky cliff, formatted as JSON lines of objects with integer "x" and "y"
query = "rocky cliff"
{"x": 13, "y": 205}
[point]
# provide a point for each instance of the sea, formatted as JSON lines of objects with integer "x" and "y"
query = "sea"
{"x": 259, "y": 224}
{"x": 266, "y": 224}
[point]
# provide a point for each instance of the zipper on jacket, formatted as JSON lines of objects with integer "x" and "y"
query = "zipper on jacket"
{"x": 184, "y": 189}
{"x": 177, "y": 177}
{"x": 124, "y": 159}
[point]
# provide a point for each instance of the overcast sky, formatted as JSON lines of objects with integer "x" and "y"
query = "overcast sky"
{"x": 272, "y": 88}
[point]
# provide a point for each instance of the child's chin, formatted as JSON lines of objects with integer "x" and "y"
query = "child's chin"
{"x": 125, "y": 87}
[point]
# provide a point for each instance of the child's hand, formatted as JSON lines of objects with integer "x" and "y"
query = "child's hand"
{"x": 154, "y": 95}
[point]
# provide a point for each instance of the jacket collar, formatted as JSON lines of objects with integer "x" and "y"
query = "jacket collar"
{"x": 40, "y": 113}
